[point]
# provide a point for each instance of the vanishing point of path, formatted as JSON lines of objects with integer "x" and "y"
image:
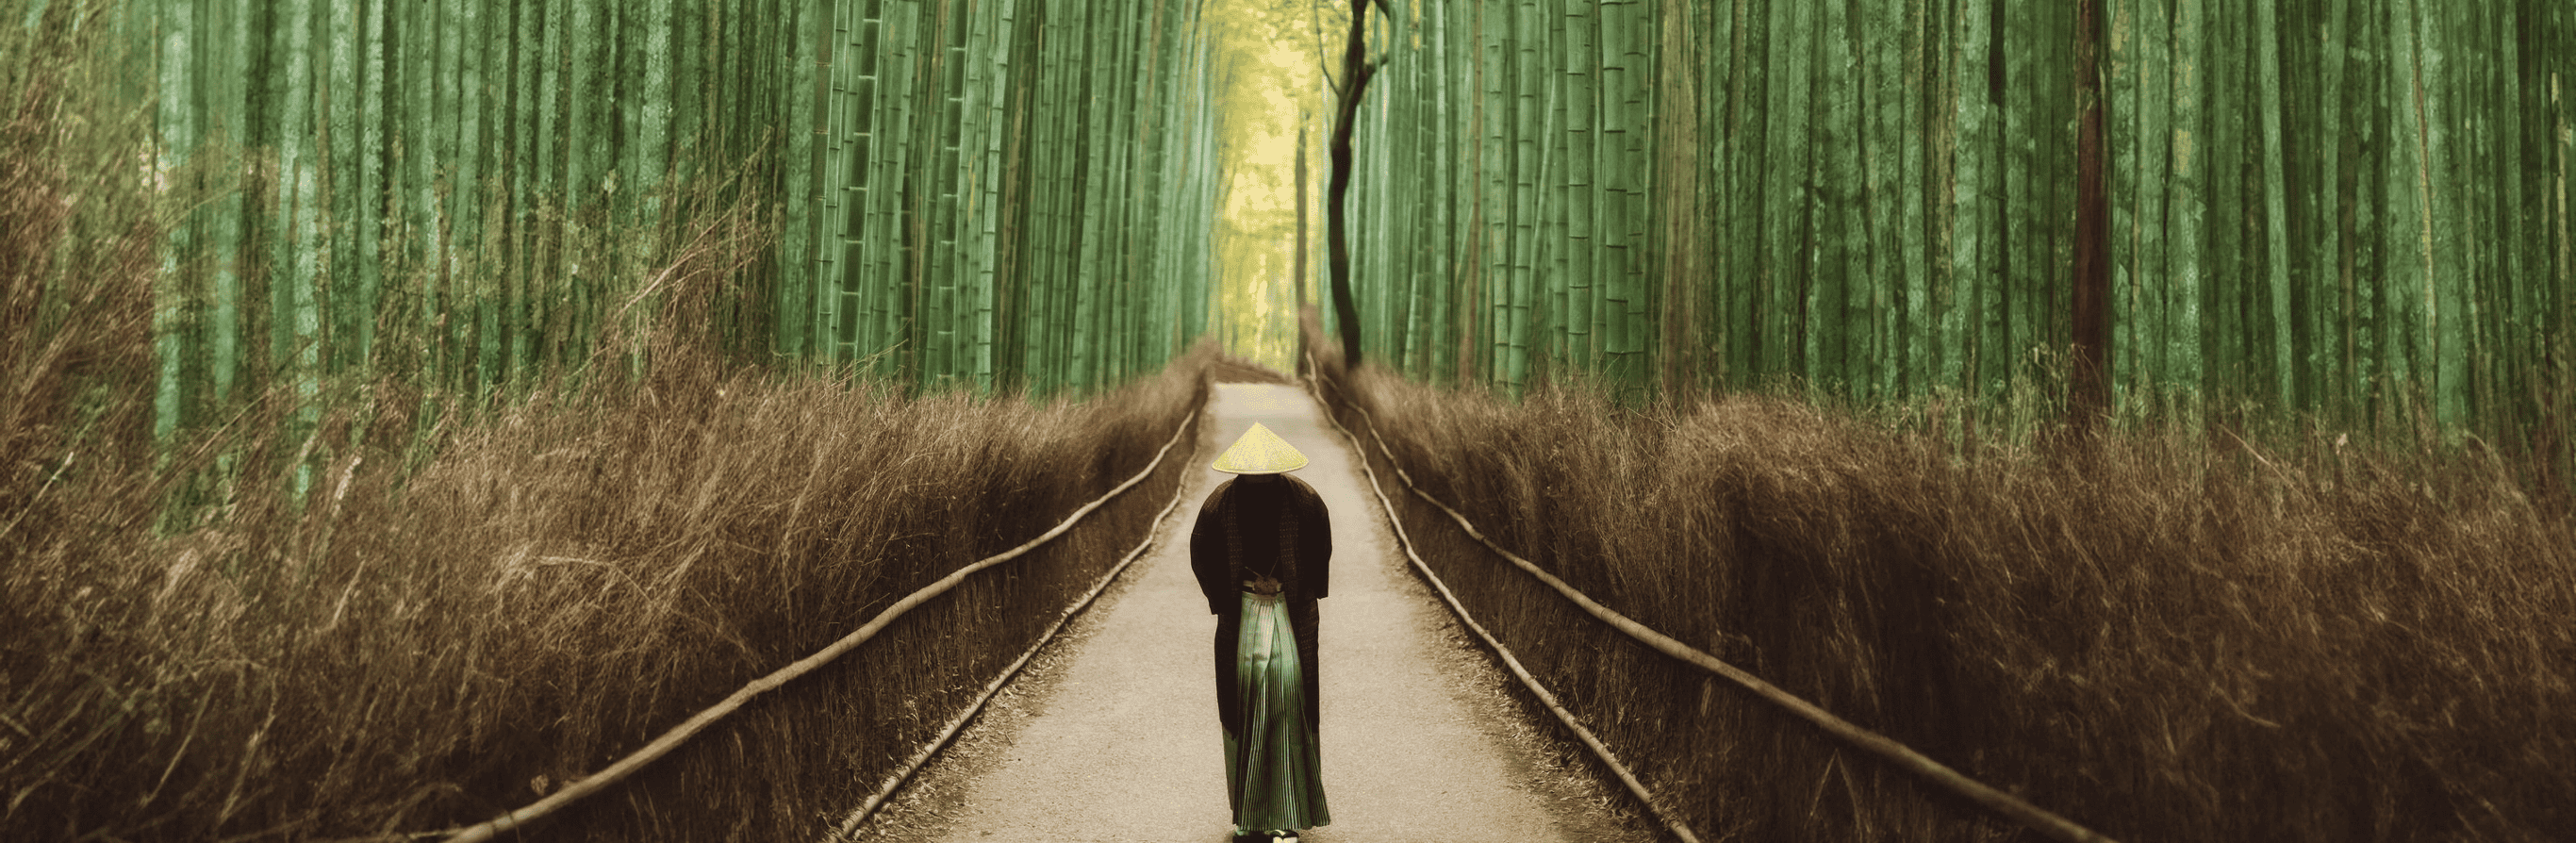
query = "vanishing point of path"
{"x": 1112, "y": 733}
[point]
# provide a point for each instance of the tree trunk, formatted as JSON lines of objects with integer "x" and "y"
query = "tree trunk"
{"x": 2089, "y": 390}
{"x": 1355, "y": 74}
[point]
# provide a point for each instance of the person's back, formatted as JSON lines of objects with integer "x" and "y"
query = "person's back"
{"x": 1262, "y": 551}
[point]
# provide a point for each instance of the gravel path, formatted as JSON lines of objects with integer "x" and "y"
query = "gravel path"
{"x": 1112, "y": 735}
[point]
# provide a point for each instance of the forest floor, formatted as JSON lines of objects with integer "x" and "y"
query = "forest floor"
{"x": 1111, "y": 735}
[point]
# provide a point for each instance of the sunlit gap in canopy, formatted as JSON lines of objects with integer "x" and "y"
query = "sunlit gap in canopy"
{"x": 1269, "y": 89}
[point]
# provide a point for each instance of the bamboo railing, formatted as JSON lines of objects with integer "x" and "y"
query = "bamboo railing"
{"x": 1904, "y": 757}
{"x": 670, "y": 740}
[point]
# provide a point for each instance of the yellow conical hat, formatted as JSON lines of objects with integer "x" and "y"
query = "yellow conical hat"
{"x": 1260, "y": 452}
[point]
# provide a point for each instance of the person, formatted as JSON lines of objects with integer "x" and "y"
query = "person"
{"x": 1262, "y": 551}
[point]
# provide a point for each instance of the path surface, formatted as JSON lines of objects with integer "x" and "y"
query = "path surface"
{"x": 1112, "y": 734}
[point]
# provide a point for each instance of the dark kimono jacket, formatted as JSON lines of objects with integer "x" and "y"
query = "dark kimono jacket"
{"x": 1260, "y": 511}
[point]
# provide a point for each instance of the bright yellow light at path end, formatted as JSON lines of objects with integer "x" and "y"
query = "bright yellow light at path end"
{"x": 1268, "y": 55}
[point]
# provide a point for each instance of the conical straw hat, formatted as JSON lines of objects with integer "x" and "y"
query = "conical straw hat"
{"x": 1260, "y": 452}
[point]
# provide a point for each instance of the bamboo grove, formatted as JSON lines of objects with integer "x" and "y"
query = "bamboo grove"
{"x": 2359, "y": 208}
{"x": 990, "y": 193}
{"x": 1013, "y": 190}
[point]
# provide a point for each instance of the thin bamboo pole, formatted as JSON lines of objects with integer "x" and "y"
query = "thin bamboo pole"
{"x": 176, "y": 122}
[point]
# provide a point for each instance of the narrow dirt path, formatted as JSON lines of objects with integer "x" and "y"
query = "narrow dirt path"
{"x": 1112, "y": 735}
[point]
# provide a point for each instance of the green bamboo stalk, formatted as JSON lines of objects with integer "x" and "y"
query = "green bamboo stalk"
{"x": 584, "y": 276}
{"x": 2446, "y": 269}
{"x": 479, "y": 319}
{"x": 2152, "y": 143}
{"x": 1090, "y": 173}
{"x": 1914, "y": 191}
{"x": 1439, "y": 358}
{"x": 705, "y": 78}
{"x": 1051, "y": 151}
{"x": 2017, "y": 122}
{"x": 1747, "y": 122}
{"x": 990, "y": 275}
{"x": 652, "y": 110}
{"x": 303, "y": 242}
{"x": 176, "y": 124}
{"x": 373, "y": 185}
{"x": 550, "y": 305}
{"x": 2276, "y": 204}
{"x": 1581, "y": 94}
{"x": 825, "y": 170}
{"x": 1136, "y": 347}
{"x": 840, "y": 179}
{"x": 1627, "y": 48}
{"x": 230, "y": 104}
{"x": 2508, "y": 315}
{"x": 2224, "y": 337}
{"x": 2557, "y": 146}
{"x": 2316, "y": 278}
{"x": 2339, "y": 313}
{"x": 937, "y": 227}
{"x": 1528, "y": 130}
{"x": 1423, "y": 261}
{"x": 2406, "y": 293}
{"x": 2188, "y": 203}
{"x": 1785, "y": 272}
{"x": 1494, "y": 196}
{"x": 862, "y": 282}
{"x": 887, "y": 283}
{"x": 2373, "y": 122}
{"x": 522, "y": 310}
{"x": 341, "y": 189}
{"x": 1013, "y": 209}
{"x": 802, "y": 141}
{"x": 1877, "y": 45}
{"x": 991, "y": 73}
{"x": 1837, "y": 228}
{"x": 1382, "y": 284}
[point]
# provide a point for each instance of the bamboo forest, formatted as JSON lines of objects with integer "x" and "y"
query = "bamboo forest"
{"x": 422, "y": 415}
{"x": 2323, "y": 205}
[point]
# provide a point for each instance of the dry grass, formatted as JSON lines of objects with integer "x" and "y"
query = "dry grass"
{"x": 551, "y": 589}
{"x": 476, "y": 604}
{"x": 2170, "y": 635}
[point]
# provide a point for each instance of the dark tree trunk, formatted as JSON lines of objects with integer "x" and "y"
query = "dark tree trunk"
{"x": 1355, "y": 76}
{"x": 2088, "y": 388}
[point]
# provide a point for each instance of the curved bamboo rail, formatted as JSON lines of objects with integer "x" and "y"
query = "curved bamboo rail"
{"x": 672, "y": 739}
{"x": 2012, "y": 807}
{"x": 850, "y": 825}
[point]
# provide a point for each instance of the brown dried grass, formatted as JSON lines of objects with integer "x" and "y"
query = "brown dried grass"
{"x": 2168, "y": 634}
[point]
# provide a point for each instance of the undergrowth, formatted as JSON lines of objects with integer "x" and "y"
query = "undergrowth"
{"x": 2166, "y": 633}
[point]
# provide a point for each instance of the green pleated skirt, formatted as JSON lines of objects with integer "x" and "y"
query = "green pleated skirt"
{"x": 1273, "y": 771}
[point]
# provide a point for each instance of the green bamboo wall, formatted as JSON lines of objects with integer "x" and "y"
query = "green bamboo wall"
{"x": 995, "y": 192}
{"x": 2326, "y": 204}
{"x": 1012, "y": 191}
